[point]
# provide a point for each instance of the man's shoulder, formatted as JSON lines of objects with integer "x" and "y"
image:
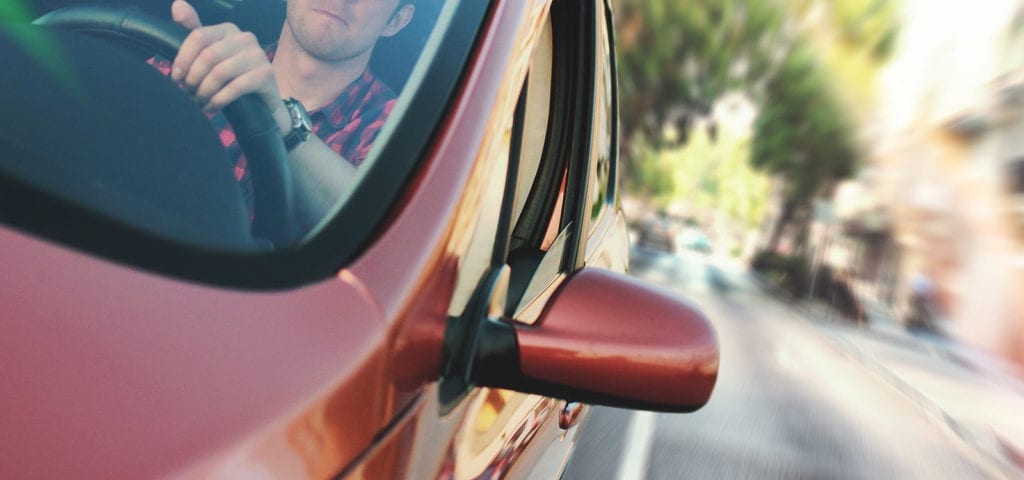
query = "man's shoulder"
{"x": 378, "y": 90}
{"x": 367, "y": 97}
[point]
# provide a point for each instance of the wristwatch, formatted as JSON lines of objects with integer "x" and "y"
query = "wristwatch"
{"x": 302, "y": 126}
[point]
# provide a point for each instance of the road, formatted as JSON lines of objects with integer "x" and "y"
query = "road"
{"x": 788, "y": 403}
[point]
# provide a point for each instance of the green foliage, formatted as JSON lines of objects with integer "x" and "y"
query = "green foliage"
{"x": 868, "y": 25}
{"x": 653, "y": 178}
{"x": 677, "y": 57}
{"x": 807, "y": 65}
{"x": 801, "y": 133}
{"x": 706, "y": 174}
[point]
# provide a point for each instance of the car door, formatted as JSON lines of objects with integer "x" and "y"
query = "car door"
{"x": 557, "y": 212}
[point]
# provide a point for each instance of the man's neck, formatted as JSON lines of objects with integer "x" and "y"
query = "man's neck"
{"x": 312, "y": 81}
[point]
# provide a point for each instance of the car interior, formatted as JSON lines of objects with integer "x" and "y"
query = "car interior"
{"x": 105, "y": 159}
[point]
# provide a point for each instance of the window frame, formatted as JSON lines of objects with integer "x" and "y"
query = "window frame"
{"x": 566, "y": 154}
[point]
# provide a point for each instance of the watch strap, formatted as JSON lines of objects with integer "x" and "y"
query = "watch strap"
{"x": 302, "y": 126}
{"x": 293, "y": 139}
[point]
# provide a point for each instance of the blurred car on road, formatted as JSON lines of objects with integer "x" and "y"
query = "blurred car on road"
{"x": 656, "y": 233}
{"x": 695, "y": 239}
{"x": 450, "y": 318}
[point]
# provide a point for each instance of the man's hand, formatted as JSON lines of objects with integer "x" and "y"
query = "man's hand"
{"x": 220, "y": 63}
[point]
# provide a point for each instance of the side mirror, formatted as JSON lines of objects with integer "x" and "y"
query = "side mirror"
{"x": 608, "y": 339}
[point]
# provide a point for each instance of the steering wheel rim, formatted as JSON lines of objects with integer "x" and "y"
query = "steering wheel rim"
{"x": 254, "y": 126}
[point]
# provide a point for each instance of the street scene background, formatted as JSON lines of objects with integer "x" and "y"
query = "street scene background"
{"x": 839, "y": 186}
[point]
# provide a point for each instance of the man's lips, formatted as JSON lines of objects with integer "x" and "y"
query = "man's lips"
{"x": 329, "y": 14}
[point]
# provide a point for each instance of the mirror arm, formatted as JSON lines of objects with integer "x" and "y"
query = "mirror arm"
{"x": 496, "y": 355}
{"x": 478, "y": 344}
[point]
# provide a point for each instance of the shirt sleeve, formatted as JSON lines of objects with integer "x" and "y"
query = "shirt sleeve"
{"x": 161, "y": 64}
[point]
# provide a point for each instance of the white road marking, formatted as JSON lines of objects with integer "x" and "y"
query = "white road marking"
{"x": 636, "y": 452}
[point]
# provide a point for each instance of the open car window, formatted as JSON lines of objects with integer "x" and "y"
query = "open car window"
{"x": 101, "y": 152}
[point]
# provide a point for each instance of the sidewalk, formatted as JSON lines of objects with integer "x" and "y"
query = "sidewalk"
{"x": 974, "y": 396}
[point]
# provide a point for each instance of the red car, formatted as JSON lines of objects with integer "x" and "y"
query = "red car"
{"x": 449, "y": 319}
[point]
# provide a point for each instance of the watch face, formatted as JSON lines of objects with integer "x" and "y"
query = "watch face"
{"x": 301, "y": 122}
{"x": 302, "y": 126}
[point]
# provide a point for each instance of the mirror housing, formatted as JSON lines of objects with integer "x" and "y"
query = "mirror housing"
{"x": 605, "y": 338}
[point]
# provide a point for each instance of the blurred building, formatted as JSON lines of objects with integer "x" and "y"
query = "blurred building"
{"x": 943, "y": 192}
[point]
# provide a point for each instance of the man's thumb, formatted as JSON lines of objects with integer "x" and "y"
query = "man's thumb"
{"x": 185, "y": 15}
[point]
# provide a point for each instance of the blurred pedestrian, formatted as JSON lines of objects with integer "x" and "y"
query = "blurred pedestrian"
{"x": 921, "y": 302}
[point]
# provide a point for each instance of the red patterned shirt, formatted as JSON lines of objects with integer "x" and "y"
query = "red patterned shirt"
{"x": 348, "y": 125}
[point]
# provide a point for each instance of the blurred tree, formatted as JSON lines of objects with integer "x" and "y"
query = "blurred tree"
{"x": 802, "y": 136}
{"x": 653, "y": 177}
{"x": 807, "y": 65}
{"x": 677, "y": 57}
{"x": 853, "y": 39}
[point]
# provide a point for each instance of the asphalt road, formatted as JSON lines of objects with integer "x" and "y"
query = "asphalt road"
{"x": 788, "y": 403}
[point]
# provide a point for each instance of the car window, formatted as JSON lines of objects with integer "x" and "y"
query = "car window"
{"x": 603, "y": 148}
{"x": 101, "y": 152}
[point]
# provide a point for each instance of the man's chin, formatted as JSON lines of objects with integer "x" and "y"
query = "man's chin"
{"x": 328, "y": 54}
{"x": 326, "y": 49}
{"x": 319, "y": 37}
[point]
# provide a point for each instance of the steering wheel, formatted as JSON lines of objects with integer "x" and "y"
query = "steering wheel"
{"x": 254, "y": 125}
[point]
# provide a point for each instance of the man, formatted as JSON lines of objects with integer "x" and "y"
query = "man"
{"x": 320, "y": 65}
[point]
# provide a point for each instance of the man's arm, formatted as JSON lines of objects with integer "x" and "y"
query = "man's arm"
{"x": 319, "y": 178}
{"x": 218, "y": 64}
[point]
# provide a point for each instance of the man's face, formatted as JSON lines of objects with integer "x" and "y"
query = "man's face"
{"x": 335, "y": 30}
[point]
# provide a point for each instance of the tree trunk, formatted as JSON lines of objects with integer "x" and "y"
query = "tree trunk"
{"x": 802, "y": 221}
{"x": 785, "y": 216}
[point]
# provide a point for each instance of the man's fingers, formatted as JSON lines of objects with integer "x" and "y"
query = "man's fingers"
{"x": 209, "y": 59}
{"x": 195, "y": 43}
{"x": 249, "y": 82}
{"x": 219, "y": 63}
{"x": 231, "y": 67}
{"x": 184, "y": 15}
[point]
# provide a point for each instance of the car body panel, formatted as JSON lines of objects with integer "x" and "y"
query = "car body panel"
{"x": 177, "y": 370}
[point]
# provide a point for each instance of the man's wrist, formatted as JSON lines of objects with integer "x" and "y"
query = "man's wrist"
{"x": 282, "y": 117}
